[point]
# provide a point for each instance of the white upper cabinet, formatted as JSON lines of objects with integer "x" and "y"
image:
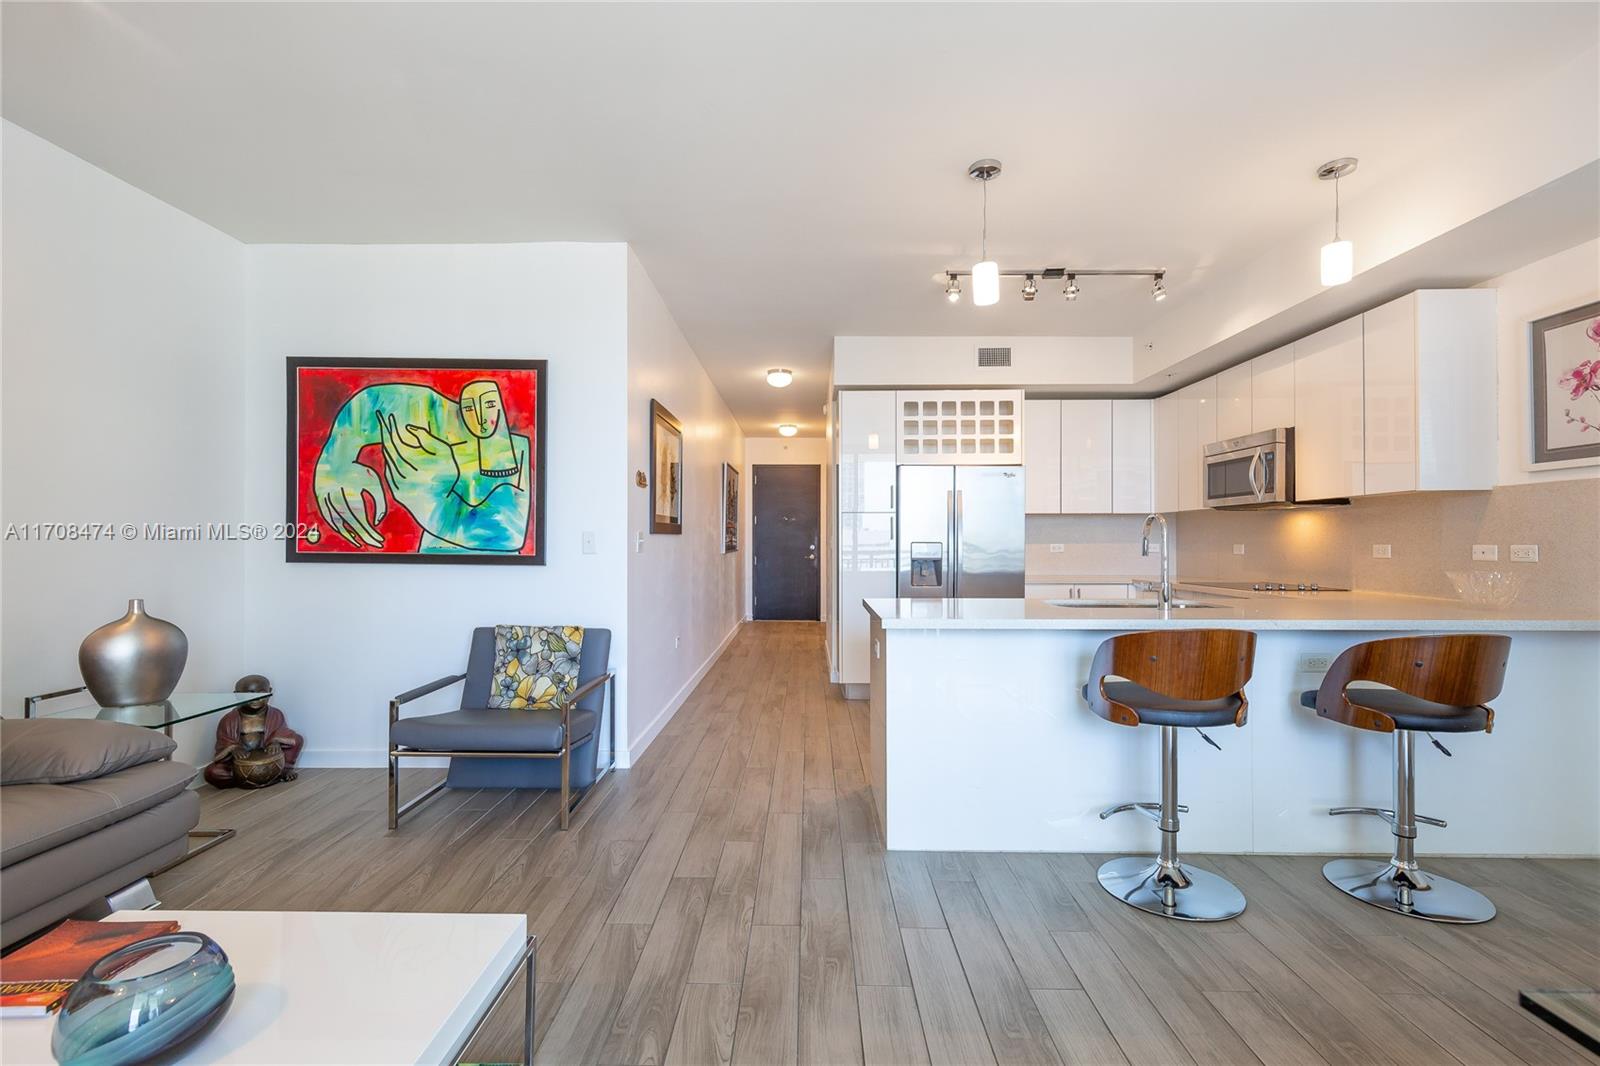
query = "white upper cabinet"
{"x": 1429, "y": 403}
{"x": 960, "y": 427}
{"x": 1042, "y": 447}
{"x": 1166, "y": 465}
{"x": 866, "y": 451}
{"x": 1132, "y": 456}
{"x": 1197, "y": 427}
{"x": 1085, "y": 456}
{"x": 1233, "y": 403}
{"x": 1272, "y": 390}
{"x": 1329, "y": 420}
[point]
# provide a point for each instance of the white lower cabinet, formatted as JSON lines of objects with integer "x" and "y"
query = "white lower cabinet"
{"x": 1079, "y": 591}
{"x": 866, "y": 571}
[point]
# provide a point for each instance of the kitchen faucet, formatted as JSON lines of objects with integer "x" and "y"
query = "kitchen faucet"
{"x": 1165, "y": 591}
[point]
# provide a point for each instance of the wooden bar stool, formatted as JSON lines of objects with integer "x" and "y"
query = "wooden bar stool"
{"x": 1439, "y": 684}
{"x": 1175, "y": 679}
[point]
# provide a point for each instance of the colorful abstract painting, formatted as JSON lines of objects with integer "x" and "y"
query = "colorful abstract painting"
{"x": 416, "y": 460}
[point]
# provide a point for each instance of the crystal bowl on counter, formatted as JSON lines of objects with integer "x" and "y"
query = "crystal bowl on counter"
{"x": 1486, "y": 588}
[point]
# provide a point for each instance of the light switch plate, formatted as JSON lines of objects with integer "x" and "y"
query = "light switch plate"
{"x": 1238, "y": 549}
{"x": 1485, "y": 552}
{"x": 1524, "y": 553}
{"x": 1381, "y": 551}
{"x": 1056, "y": 549}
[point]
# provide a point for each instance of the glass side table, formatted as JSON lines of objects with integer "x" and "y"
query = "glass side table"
{"x": 179, "y": 707}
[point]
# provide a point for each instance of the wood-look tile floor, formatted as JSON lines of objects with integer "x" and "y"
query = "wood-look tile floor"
{"x": 729, "y": 899}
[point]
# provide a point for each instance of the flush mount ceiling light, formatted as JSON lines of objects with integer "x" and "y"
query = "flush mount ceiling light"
{"x": 779, "y": 377}
{"x": 1338, "y": 257}
{"x": 788, "y": 429}
{"x": 986, "y": 274}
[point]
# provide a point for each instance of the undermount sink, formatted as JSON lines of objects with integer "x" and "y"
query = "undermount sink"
{"x": 1130, "y": 605}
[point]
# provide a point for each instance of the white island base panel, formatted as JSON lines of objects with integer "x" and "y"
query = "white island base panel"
{"x": 981, "y": 741}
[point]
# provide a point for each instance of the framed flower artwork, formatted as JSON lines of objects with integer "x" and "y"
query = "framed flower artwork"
{"x": 1566, "y": 386}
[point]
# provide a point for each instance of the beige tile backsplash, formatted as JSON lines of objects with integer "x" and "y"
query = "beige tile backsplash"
{"x": 1092, "y": 544}
{"x": 1428, "y": 533}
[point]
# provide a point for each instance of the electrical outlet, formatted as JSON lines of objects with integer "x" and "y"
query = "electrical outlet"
{"x": 588, "y": 542}
{"x": 1313, "y": 663}
{"x": 1524, "y": 553}
{"x": 1238, "y": 549}
{"x": 1381, "y": 551}
{"x": 1485, "y": 553}
{"x": 1056, "y": 549}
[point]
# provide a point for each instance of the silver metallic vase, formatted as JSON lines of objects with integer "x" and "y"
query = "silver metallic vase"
{"x": 135, "y": 660}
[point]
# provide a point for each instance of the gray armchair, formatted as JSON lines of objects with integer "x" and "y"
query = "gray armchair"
{"x": 502, "y": 748}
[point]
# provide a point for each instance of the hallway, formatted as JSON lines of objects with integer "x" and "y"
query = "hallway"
{"x": 729, "y": 899}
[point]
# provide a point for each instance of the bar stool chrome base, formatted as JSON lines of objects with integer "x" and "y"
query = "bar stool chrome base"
{"x": 1206, "y": 898}
{"x": 1441, "y": 900}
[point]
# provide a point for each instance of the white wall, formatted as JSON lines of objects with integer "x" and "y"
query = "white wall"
{"x": 123, "y": 401}
{"x": 338, "y": 641}
{"x": 777, "y": 451}
{"x": 1558, "y": 283}
{"x": 684, "y": 595}
{"x": 1036, "y": 362}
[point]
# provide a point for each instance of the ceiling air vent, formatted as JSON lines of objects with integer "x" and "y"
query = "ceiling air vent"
{"x": 994, "y": 356}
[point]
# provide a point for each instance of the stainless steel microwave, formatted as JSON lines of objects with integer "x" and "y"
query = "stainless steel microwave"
{"x": 1251, "y": 471}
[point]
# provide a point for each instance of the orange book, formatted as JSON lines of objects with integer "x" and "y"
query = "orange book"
{"x": 35, "y": 977}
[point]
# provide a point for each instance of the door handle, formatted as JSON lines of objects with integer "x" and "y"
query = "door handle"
{"x": 1258, "y": 487}
{"x": 955, "y": 546}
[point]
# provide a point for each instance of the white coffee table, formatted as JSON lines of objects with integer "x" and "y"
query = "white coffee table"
{"x": 332, "y": 987}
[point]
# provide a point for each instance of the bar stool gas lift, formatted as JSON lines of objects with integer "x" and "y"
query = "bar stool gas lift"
{"x": 1434, "y": 684}
{"x": 1176, "y": 679}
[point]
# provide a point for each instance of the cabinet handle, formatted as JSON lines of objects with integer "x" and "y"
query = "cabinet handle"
{"x": 891, "y": 497}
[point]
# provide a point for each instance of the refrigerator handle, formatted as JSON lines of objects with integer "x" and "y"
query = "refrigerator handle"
{"x": 950, "y": 535}
{"x": 955, "y": 548}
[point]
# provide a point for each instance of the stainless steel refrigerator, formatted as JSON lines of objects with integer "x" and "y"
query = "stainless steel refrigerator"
{"x": 960, "y": 531}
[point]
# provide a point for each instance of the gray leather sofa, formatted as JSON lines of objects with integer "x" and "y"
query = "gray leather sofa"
{"x": 86, "y": 808}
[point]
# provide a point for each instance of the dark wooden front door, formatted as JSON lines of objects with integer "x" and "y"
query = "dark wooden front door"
{"x": 787, "y": 506}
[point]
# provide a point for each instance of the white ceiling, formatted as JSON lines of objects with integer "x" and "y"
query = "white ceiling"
{"x": 786, "y": 173}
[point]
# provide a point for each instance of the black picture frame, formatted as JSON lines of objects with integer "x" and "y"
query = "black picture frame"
{"x": 1539, "y": 385}
{"x": 664, "y": 428}
{"x": 540, "y": 516}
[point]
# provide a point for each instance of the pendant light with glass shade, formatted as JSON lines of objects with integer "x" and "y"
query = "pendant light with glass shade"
{"x": 1338, "y": 256}
{"x": 985, "y": 275}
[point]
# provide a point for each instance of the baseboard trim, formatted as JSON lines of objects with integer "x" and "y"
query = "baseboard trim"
{"x": 638, "y": 746}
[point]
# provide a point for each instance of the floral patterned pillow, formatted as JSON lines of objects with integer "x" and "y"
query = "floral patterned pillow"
{"x": 535, "y": 667}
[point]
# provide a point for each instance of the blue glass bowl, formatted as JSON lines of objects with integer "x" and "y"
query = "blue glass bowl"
{"x": 143, "y": 1001}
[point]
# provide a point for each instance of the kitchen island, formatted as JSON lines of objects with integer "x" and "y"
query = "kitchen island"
{"x": 981, "y": 740}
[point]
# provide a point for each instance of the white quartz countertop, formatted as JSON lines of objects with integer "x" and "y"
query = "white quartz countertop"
{"x": 1227, "y": 610}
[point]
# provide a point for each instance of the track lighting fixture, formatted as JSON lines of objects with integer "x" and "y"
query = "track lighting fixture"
{"x": 952, "y": 291}
{"x": 788, "y": 429}
{"x": 1338, "y": 257}
{"x": 1158, "y": 291}
{"x": 779, "y": 377}
{"x": 1071, "y": 291}
{"x": 1029, "y": 289}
